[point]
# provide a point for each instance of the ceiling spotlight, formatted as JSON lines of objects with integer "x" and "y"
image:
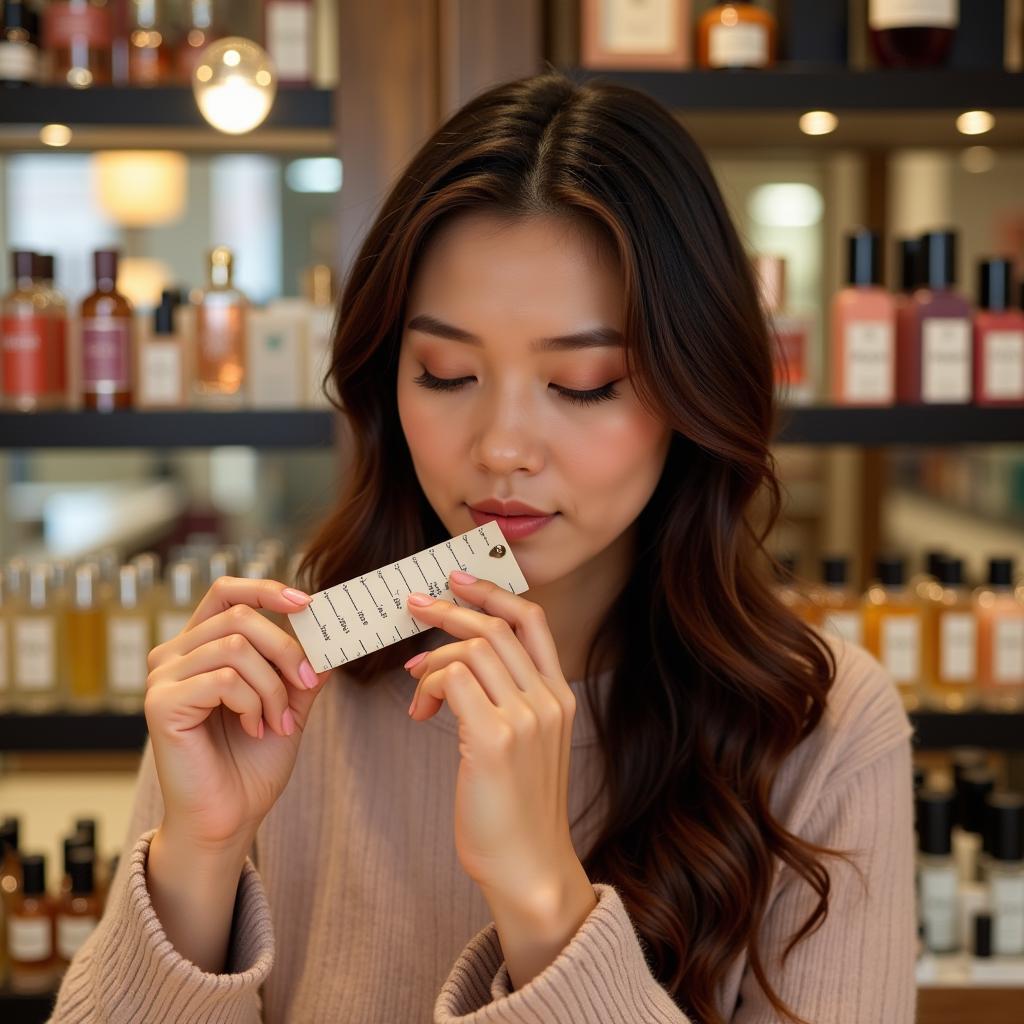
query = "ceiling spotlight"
{"x": 975, "y": 122}
{"x": 818, "y": 122}
{"x": 55, "y": 135}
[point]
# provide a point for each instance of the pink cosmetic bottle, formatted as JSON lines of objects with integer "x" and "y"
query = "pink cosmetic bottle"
{"x": 863, "y": 329}
{"x": 998, "y": 338}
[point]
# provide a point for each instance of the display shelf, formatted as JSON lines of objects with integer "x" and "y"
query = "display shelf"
{"x": 299, "y": 428}
{"x": 166, "y": 106}
{"x": 22, "y": 1008}
{"x": 107, "y": 731}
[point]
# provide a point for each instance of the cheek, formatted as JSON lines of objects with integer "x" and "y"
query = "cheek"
{"x": 615, "y": 452}
{"x": 424, "y": 426}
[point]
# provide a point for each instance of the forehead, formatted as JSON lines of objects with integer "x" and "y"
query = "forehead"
{"x": 480, "y": 265}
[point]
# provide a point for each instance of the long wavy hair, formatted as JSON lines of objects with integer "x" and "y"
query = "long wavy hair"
{"x": 723, "y": 681}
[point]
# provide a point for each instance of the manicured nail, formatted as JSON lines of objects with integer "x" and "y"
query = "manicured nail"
{"x": 296, "y": 596}
{"x": 412, "y": 706}
{"x": 463, "y": 577}
{"x": 420, "y": 599}
{"x": 416, "y": 659}
{"x": 288, "y": 722}
{"x": 259, "y": 730}
{"x": 307, "y": 675}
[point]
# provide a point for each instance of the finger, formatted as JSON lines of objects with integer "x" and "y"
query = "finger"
{"x": 186, "y": 704}
{"x": 483, "y": 661}
{"x": 236, "y": 652}
{"x": 527, "y": 619}
{"x": 228, "y": 590}
{"x": 270, "y": 640}
{"x": 473, "y": 708}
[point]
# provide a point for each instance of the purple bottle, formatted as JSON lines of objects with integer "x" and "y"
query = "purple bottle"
{"x": 936, "y": 366}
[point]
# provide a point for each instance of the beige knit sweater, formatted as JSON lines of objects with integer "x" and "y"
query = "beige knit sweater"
{"x": 359, "y": 912}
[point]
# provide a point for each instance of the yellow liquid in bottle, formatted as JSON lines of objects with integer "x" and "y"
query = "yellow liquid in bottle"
{"x": 87, "y": 670}
{"x": 893, "y": 633}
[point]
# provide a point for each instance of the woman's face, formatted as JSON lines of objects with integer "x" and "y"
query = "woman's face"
{"x": 509, "y": 431}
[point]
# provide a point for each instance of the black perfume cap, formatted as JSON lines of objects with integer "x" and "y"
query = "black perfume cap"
{"x": 834, "y": 570}
{"x": 78, "y": 841}
{"x": 10, "y": 829}
{"x": 933, "y": 562}
{"x": 995, "y": 284}
{"x": 33, "y": 869}
{"x": 87, "y": 826}
{"x": 164, "y": 313}
{"x": 983, "y": 934}
{"x": 951, "y": 572}
{"x": 1004, "y": 826}
{"x": 974, "y": 785}
{"x": 935, "y": 821}
{"x": 1000, "y": 572}
{"x": 909, "y": 254}
{"x": 889, "y": 571}
{"x": 23, "y": 263}
{"x": 82, "y": 870}
{"x": 863, "y": 265}
{"x": 937, "y": 262}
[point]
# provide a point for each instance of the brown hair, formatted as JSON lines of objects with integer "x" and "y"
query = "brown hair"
{"x": 723, "y": 681}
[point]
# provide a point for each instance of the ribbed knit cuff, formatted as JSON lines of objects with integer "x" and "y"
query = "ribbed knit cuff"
{"x": 601, "y": 975}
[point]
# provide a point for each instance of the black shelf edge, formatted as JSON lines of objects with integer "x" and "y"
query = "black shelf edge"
{"x": 936, "y": 730}
{"x": 26, "y": 1008}
{"x": 793, "y": 88}
{"x": 293, "y": 107}
{"x": 901, "y": 424}
{"x": 62, "y": 731}
{"x": 269, "y": 428}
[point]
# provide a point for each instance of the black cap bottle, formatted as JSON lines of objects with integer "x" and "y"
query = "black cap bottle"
{"x": 937, "y": 260}
{"x": 995, "y": 285}
{"x": 863, "y": 262}
{"x": 936, "y": 869}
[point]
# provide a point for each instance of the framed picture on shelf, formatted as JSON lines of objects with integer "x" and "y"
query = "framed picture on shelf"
{"x": 635, "y": 34}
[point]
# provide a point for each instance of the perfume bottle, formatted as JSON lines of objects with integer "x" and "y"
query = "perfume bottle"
{"x": 736, "y": 35}
{"x": 201, "y": 30}
{"x": 838, "y": 602}
{"x": 107, "y": 340}
{"x": 56, "y": 308}
{"x": 998, "y": 337}
{"x": 149, "y": 56}
{"x": 86, "y": 635}
{"x": 1003, "y": 869}
{"x": 912, "y": 33}
{"x": 220, "y": 332}
{"x": 936, "y": 870}
{"x": 78, "y": 909}
{"x": 892, "y": 629}
{"x": 37, "y": 660}
{"x": 30, "y": 930}
{"x": 163, "y": 359}
{"x": 180, "y": 602}
{"x": 77, "y": 37}
{"x": 794, "y": 369}
{"x": 19, "y": 44}
{"x": 1000, "y": 610}
{"x": 128, "y": 645}
{"x": 25, "y": 335}
{"x": 951, "y": 662}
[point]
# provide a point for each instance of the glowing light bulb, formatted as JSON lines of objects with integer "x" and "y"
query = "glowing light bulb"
{"x": 234, "y": 85}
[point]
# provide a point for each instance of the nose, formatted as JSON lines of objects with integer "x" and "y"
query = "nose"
{"x": 508, "y": 435}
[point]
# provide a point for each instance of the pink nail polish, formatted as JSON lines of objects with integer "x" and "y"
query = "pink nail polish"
{"x": 416, "y": 659}
{"x": 307, "y": 675}
{"x": 288, "y": 722}
{"x": 295, "y": 596}
{"x": 420, "y": 599}
{"x": 412, "y": 706}
{"x": 259, "y": 730}
{"x": 463, "y": 577}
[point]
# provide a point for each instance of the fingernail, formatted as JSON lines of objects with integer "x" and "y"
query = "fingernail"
{"x": 296, "y": 596}
{"x": 259, "y": 730}
{"x": 412, "y": 706}
{"x": 288, "y": 722}
{"x": 416, "y": 660}
{"x": 307, "y": 675}
{"x": 420, "y": 599}
{"x": 463, "y": 577}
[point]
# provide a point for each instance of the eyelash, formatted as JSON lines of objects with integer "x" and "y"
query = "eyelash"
{"x": 601, "y": 394}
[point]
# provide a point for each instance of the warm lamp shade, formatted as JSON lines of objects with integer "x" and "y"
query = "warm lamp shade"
{"x": 141, "y": 188}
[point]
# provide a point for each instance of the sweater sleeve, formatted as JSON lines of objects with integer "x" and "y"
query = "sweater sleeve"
{"x": 858, "y": 966}
{"x": 127, "y": 971}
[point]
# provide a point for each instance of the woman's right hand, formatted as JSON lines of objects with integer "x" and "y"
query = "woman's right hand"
{"x": 227, "y": 700}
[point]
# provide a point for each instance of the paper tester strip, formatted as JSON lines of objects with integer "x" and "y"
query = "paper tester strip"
{"x": 368, "y": 612}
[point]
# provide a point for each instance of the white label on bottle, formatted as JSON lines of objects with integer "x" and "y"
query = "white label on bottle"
{"x": 128, "y": 649}
{"x": 868, "y": 374}
{"x": 1003, "y": 366}
{"x": 640, "y": 26}
{"x": 290, "y": 39}
{"x": 170, "y": 624}
{"x": 72, "y": 932}
{"x": 901, "y": 647}
{"x": 845, "y": 624}
{"x": 958, "y": 647}
{"x": 938, "y": 892}
{"x": 883, "y": 14}
{"x": 19, "y": 62}
{"x": 1007, "y": 914}
{"x": 29, "y": 939}
{"x": 1008, "y": 649}
{"x": 274, "y": 373}
{"x": 5, "y": 678}
{"x": 744, "y": 45}
{"x": 160, "y": 373}
{"x": 35, "y": 653}
{"x": 946, "y": 359}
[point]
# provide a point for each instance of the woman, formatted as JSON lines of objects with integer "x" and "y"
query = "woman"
{"x": 670, "y": 800}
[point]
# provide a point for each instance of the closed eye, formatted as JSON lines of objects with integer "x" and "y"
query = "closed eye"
{"x": 601, "y": 394}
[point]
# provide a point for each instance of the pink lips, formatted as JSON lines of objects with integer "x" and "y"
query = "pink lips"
{"x": 512, "y": 527}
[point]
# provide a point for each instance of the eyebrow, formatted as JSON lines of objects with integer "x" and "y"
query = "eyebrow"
{"x": 596, "y": 337}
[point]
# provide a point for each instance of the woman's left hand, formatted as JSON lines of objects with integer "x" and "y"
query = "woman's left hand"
{"x": 503, "y": 682}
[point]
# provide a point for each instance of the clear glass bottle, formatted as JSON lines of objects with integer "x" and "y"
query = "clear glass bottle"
{"x": 1003, "y": 869}
{"x": 147, "y": 565}
{"x": 1000, "y": 610}
{"x": 795, "y": 370}
{"x": 220, "y": 333}
{"x": 30, "y": 930}
{"x": 163, "y": 360}
{"x": 936, "y": 870}
{"x": 107, "y": 326}
{"x": 86, "y": 635}
{"x": 181, "y": 600}
{"x": 951, "y": 650}
{"x": 79, "y": 909}
{"x": 37, "y": 654}
{"x": 892, "y": 629}
{"x": 129, "y": 641}
{"x": 839, "y": 605}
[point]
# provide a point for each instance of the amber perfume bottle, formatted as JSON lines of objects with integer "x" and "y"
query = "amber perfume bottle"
{"x": 893, "y": 629}
{"x": 912, "y": 33}
{"x": 736, "y": 35}
{"x": 201, "y": 30}
{"x": 838, "y": 604}
{"x": 78, "y": 36}
{"x": 78, "y": 909}
{"x": 107, "y": 331}
{"x": 87, "y": 638}
{"x": 150, "y": 59}
{"x": 30, "y": 930}
{"x": 951, "y": 645}
{"x": 1000, "y": 609}
{"x": 220, "y": 333}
